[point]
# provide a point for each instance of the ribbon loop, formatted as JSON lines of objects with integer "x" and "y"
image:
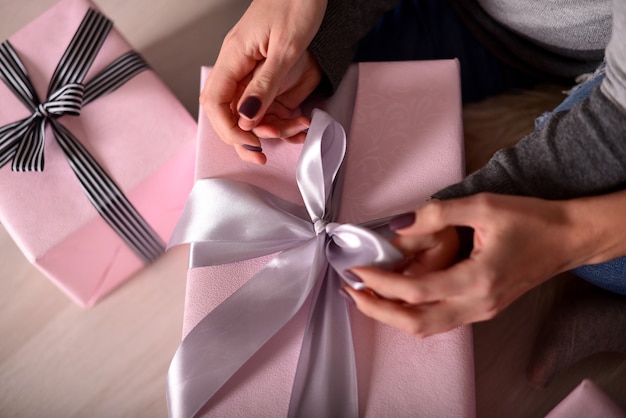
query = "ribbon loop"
{"x": 221, "y": 218}
{"x": 68, "y": 100}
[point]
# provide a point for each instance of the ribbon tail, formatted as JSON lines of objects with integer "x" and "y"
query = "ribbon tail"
{"x": 326, "y": 381}
{"x": 10, "y": 136}
{"x": 29, "y": 154}
{"x": 225, "y": 339}
{"x": 108, "y": 199}
{"x": 82, "y": 50}
{"x": 13, "y": 73}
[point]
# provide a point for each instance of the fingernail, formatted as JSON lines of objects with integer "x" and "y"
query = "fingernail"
{"x": 346, "y": 296}
{"x": 250, "y": 107}
{"x": 402, "y": 221}
{"x": 353, "y": 280}
{"x": 252, "y": 148}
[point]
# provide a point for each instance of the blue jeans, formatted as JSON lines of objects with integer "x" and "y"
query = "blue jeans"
{"x": 429, "y": 29}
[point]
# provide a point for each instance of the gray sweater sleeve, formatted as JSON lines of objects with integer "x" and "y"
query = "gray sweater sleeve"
{"x": 345, "y": 23}
{"x": 580, "y": 152}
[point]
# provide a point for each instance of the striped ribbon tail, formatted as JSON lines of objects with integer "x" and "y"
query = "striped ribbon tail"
{"x": 29, "y": 153}
{"x": 10, "y": 136}
{"x": 14, "y": 75}
{"x": 23, "y": 141}
{"x": 108, "y": 199}
{"x": 82, "y": 50}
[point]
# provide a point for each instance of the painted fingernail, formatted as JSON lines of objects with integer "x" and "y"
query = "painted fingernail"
{"x": 344, "y": 294}
{"x": 252, "y": 148}
{"x": 353, "y": 280}
{"x": 250, "y": 107}
{"x": 402, "y": 221}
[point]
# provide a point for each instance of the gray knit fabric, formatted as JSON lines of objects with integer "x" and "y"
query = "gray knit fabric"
{"x": 577, "y": 153}
{"x": 576, "y": 25}
{"x": 615, "y": 84}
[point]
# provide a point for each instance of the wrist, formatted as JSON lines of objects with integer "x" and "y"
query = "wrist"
{"x": 596, "y": 234}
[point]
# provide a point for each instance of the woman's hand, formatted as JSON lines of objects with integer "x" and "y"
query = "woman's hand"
{"x": 262, "y": 74}
{"x": 519, "y": 242}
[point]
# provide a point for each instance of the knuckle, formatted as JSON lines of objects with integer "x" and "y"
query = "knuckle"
{"x": 414, "y": 296}
{"x": 491, "y": 308}
{"x": 290, "y": 51}
{"x": 486, "y": 284}
{"x": 231, "y": 36}
{"x": 435, "y": 210}
{"x": 486, "y": 203}
{"x": 264, "y": 80}
{"x": 416, "y": 329}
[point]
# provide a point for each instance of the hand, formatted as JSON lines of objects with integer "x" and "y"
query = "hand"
{"x": 262, "y": 74}
{"x": 519, "y": 242}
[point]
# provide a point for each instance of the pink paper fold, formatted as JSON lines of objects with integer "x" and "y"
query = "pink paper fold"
{"x": 405, "y": 143}
{"x": 587, "y": 400}
{"x": 140, "y": 134}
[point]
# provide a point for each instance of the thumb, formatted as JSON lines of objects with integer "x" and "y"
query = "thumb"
{"x": 262, "y": 90}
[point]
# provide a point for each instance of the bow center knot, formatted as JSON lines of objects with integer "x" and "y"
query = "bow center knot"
{"x": 320, "y": 226}
{"x": 42, "y": 111}
{"x": 68, "y": 100}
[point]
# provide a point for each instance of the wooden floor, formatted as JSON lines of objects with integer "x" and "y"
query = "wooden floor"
{"x": 58, "y": 360}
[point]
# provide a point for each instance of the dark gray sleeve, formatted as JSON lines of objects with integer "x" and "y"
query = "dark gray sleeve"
{"x": 345, "y": 23}
{"x": 577, "y": 153}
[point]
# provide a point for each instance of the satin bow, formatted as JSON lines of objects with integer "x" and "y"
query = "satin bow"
{"x": 228, "y": 221}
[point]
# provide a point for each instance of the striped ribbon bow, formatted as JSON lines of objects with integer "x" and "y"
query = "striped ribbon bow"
{"x": 22, "y": 142}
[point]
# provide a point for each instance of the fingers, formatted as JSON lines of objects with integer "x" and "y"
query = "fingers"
{"x": 263, "y": 88}
{"x": 421, "y": 320}
{"x": 274, "y": 127}
{"x": 432, "y": 251}
{"x": 429, "y": 287}
{"x": 216, "y": 99}
{"x": 439, "y": 214}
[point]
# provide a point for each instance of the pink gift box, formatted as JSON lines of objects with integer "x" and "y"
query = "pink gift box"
{"x": 405, "y": 143}
{"x": 587, "y": 400}
{"x": 141, "y": 136}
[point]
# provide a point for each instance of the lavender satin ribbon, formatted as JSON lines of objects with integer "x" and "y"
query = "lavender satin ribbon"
{"x": 228, "y": 221}
{"x": 22, "y": 142}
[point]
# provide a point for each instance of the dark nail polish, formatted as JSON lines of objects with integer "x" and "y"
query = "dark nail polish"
{"x": 252, "y": 148}
{"x": 346, "y": 296}
{"x": 352, "y": 277}
{"x": 402, "y": 221}
{"x": 250, "y": 107}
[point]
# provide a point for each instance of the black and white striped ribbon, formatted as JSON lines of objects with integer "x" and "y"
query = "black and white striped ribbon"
{"x": 22, "y": 142}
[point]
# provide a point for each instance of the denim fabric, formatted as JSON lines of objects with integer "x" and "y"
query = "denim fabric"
{"x": 610, "y": 275}
{"x": 576, "y": 94}
{"x": 429, "y": 29}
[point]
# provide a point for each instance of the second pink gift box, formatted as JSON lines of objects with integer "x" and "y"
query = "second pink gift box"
{"x": 96, "y": 154}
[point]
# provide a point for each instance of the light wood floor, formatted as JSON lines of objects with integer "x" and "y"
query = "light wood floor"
{"x": 58, "y": 360}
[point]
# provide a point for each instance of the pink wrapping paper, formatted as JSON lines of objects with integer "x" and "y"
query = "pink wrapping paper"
{"x": 587, "y": 400}
{"x": 140, "y": 134}
{"x": 405, "y": 143}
